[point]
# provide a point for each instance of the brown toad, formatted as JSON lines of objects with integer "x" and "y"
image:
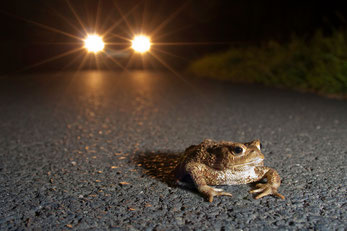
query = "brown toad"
{"x": 227, "y": 163}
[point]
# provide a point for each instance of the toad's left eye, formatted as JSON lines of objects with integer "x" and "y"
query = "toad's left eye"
{"x": 238, "y": 150}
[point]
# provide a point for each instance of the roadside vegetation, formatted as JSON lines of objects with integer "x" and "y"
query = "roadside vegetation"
{"x": 317, "y": 65}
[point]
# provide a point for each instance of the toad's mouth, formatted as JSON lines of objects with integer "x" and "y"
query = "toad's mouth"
{"x": 256, "y": 161}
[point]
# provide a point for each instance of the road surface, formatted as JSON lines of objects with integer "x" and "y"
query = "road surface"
{"x": 95, "y": 150}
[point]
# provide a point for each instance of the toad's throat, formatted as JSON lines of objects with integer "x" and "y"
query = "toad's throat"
{"x": 255, "y": 162}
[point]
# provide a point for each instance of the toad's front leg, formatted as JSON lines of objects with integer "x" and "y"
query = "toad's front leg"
{"x": 272, "y": 184}
{"x": 198, "y": 174}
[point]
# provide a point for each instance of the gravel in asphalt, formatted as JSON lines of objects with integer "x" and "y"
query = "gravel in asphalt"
{"x": 95, "y": 150}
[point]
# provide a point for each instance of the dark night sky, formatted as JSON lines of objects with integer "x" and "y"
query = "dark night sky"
{"x": 221, "y": 23}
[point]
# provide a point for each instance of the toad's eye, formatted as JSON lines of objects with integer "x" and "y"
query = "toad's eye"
{"x": 238, "y": 150}
{"x": 261, "y": 146}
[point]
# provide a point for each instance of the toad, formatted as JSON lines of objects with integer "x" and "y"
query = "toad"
{"x": 227, "y": 163}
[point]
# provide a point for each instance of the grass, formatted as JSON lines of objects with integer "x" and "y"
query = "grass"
{"x": 317, "y": 65}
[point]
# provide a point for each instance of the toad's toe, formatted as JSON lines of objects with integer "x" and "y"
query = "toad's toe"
{"x": 266, "y": 189}
{"x": 211, "y": 192}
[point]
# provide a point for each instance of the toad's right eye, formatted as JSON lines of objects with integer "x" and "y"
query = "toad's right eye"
{"x": 238, "y": 150}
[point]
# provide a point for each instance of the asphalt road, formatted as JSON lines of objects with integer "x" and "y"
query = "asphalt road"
{"x": 95, "y": 150}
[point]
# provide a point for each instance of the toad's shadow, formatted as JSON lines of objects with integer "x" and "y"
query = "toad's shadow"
{"x": 159, "y": 165}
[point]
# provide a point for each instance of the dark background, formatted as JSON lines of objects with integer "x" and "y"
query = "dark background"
{"x": 210, "y": 25}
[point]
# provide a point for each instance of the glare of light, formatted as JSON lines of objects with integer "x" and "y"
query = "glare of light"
{"x": 94, "y": 43}
{"x": 141, "y": 44}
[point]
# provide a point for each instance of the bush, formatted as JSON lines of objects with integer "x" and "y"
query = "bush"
{"x": 318, "y": 65}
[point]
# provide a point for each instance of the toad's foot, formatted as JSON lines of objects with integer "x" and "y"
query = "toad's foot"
{"x": 266, "y": 189}
{"x": 210, "y": 192}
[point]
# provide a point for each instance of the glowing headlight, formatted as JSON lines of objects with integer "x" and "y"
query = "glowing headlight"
{"x": 94, "y": 43}
{"x": 141, "y": 44}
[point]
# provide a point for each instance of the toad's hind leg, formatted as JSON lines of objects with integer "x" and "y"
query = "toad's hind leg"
{"x": 197, "y": 175}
